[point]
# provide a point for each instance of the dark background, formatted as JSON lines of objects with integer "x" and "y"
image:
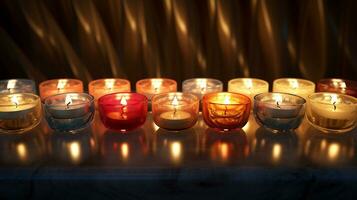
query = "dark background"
{"x": 134, "y": 39}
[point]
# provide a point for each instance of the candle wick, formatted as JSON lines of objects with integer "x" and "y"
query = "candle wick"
{"x": 225, "y": 111}
{"x": 334, "y": 105}
{"x": 68, "y": 105}
{"x": 277, "y": 104}
{"x": 9, "y": 90}
{"x": 156, "y": 89}
{"x": 16, "y": 105}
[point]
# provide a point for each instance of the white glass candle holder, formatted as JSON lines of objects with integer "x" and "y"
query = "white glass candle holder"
{"x": 17, "y": 86}
{"x": 202, "y": 86}
{"x": 300, "y": 87}
{"x": 248, "y": 86}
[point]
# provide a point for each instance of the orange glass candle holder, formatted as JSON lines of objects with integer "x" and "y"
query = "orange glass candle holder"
{"x": 225, "y": 111}
{"x": 60, "y": 86}
{"x": 150, "y": 87}
{"x": 101, "y": 87}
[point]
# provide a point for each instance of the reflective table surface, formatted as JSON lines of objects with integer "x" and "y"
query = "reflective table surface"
{"x": 199, "y": 162}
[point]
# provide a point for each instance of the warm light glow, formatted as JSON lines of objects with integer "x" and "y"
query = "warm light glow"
{"x": 227, "y": 100}
{"x": 175, "y": 101}
{"x": 14, "y": 100}
{"x": 339, "y": 83}
{"x": 224, "y": 150}
{"x": 333, "y": 151}
{"x": 293, "y": 83}
{"x": 61, "y": 83}
{"x": 68, "y": 100}
{"x": 156, "y": 83}
{"x": 123, "y": 101}
{"x": 248, "y": 83}
{"x": 276, "y": 152}
{"x": 124, "y": 150}
{"x": 175, "y": 150}
{"x": 202, "y": 83}
{"x": 278, "y": 99}
{"x": 75, "y": 151}
{"x": 109, "y": 83}
{"x": 11, "y": 84}
{"x": 21, "y": 151}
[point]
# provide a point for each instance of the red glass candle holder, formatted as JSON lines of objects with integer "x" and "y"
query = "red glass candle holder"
{"x": 123, "y": 111}
{"x": 341, "y": 86}
{"x": 225, "y": 111}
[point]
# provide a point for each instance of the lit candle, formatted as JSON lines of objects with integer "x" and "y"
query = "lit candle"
{"x": 295, "y": 86}
{"x": 225, "y": 111}
{"x": 332, "y": 112}
{"x": 175, "y": 111}
{"x": 19, "y": 112}
{"x": 60, "y": 86}
{"x": 201, "y": 86}
{"x": 152, "y": 86}
{"x": 341, "y": 86}
{"x": 69, "y": 112}
{"x": 101, "y": 87}
{"x": 123, "y": 111}
{"x": 248, "y": 86}
{"x": 279, "y": 111}
{"x": 17, "y": 86}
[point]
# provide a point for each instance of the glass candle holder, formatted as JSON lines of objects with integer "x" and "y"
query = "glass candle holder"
{"x": 101, "y": 87}
{"x": 341, "y": 86}
{"x": 279, "y": 111}
{"x": 123, "y": 111}
{"x": 69, "y": 112}
{"x": 332, "y": 112}
{"x": 175, "y": 111}
{"x": 248, "y": 86}
{"x": 60, "y": 86}
{"x": 295, "y": 86}
{"x": 150, "y": 87}
{"x": 17, "y": 86}
{"x": 225, "y": 110}
{"x": 202, "y": 86}
{"x": 19, "y": 112}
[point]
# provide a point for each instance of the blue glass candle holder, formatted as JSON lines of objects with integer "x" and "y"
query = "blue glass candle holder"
{"x": 279, "y": 111}
{"x": 69, "y": 112}
{"x": 18, "y": 86}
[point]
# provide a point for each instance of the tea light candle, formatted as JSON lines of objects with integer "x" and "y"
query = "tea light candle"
{"x": 248, "y": 86}
{"x": 152, "y": 86}
{"x": 17, "y": 86}
{"x": 332, "y": 112}
{"x": 175, "y": 111}
{"x": 69, "y": 112}
{"x": 123, "y": 111}
{"x": 279, "y": 111}
{"x": 341, "y": 86}
{"x": 60, "y": 86}
{"x": 295, "y": 86}
{"x": 202, "y": 86}
{"x": 101, "y": 87}
{"x": 225, "y": 110}
{"x": 19, "y": 112}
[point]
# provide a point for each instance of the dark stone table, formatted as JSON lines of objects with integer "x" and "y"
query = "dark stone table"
{"x": 151, "y": 163}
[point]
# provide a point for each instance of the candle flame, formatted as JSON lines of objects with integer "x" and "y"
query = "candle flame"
{"x": 202, "y": 83}
{"x": 175, "y": 101}
{"x": 156, "y": 83}
{"x": 334, "y": 100}
{"x": 248, "y": 83}
{"x": 15, "y": 100}
{"x": 109, "y": 83}
{"x": 68, "y": 100}
{"x": 278, "y": 99}
{"x": 293, "y": 83}
{"x": 61, "y": 83}
{"x": 11, "y": 84}
{"x": 227, "y": 100}
{"x": 123, "y": 101}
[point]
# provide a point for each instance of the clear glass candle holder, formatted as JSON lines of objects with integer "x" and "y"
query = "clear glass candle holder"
{"x": 248, "y": 86}
{"x": 201, "y": 86}
{"x": 17, "y": 86}
{"x": 279, "y": 111}
{"x": 300, "y": 87}
{"x": 151, "y": 86}
{"x": 341, "y": 86}
{"x": 175, "y": 111}
{"x": 60, "y": 86}
{"x": 123, "y": 111}
{"x": 332, "y": 112}
{"x": 69, "y": 112}
{"x": 19, "y": 112}
{"x": 101, "y": 87}
{"x": 225, "y": 111}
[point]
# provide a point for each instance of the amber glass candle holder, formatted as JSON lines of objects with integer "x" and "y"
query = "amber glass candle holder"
{"x": 202, "y": 86}
{"x": 341, "y": 86}
{"x": 60, "y": 86}
{"x": 175, "y": 111}
{"x": 225, "y": 111}
{"x": 101, "y": 87}
{"x": 69, "y": 112}
{"x": 17, "y": 86}
{"x": 300, "y": 87}
{"x": 19, "y": 112}
{"x": 279, "y": 111}
{"x": 332, "y": 112}
{"x": 151, "y": 86}
{"x": 123, "y": 111}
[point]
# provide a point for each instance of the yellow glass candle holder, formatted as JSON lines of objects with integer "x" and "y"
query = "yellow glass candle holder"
{"x": 101, "y": 87}
{"x": 151, "y": 86}
{"x": 202, "y": 86}
{"x": 300, "y": 87}
{"x": 60, "y": 86}
{"x": 248, "y": 86}
{"x": 19, "y": 112}
{"x": 175, "y": 111}
{"x": 332, "y": 112}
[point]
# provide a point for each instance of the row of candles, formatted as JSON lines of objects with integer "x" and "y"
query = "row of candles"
{"x": 67, "y": 109}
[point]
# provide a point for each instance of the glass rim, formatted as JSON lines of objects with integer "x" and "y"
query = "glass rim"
{"x": 328, "y": 81}
{"x": 281, "y": 93}
{"x": 143, "y": 98}
{"x": 90, "y": 98}
{"x": 254, "y": 79}
{"x": 92, "y": 83}
{"x": 276, "y": 81}
{"x": 36, "y": 99}
{"x": 161, "y": 95}
{"x": 171, "y": 81}
{"x": 220, "y": 83}
{"x": 206, "y": 98}
{"x": 77, "y": 81}
{"x": 19, "y": 79}
{"x": 312, "y": 100}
